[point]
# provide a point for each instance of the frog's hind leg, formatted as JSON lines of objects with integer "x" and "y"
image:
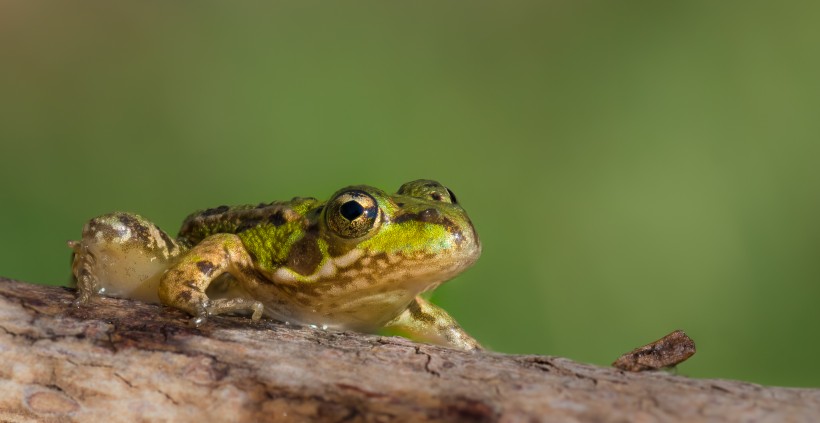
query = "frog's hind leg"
{"x": 428, "y": 323}
{"x": 121, "y": 255}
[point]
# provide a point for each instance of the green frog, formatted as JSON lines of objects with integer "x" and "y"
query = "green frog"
{"x": 358, "y": 261}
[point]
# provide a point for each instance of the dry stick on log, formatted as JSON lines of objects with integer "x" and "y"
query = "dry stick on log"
{"x": 121, "y": 360}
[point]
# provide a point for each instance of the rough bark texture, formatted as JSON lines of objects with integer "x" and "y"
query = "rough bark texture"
{"x": 121, "y": 360}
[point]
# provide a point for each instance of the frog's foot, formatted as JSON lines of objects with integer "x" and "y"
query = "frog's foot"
{"x": 82, "y": 265}
{"x": 121, "y": 255}
{"x": 428, "y": 323}
{"x": 227, "y": 306}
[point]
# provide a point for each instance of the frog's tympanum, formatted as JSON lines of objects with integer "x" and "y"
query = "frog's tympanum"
{"x": 357, "y": 261}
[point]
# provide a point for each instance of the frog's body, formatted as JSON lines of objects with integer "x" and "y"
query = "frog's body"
{"x": 358, "y": 261}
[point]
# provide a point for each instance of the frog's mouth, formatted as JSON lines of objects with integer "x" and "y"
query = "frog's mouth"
{"x": 425, "y": 272}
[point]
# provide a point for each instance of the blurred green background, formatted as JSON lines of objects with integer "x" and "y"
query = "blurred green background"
{"x": 632, "y": 167}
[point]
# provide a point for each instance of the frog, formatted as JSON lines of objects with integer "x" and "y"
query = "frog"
{"x": 362, "y": 260}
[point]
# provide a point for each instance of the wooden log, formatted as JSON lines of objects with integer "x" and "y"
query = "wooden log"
{"x": 121, "y": 360}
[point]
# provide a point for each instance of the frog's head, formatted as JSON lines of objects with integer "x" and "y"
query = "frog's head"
{"x": 412, "y": 240}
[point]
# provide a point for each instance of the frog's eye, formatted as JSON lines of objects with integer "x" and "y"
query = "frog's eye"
{"x": 440, "y": 196}
{"x": 352, "y": 214}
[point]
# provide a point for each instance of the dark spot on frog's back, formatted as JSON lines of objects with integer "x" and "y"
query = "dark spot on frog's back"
{"x": 277, "y": 218}
{"x": 305, "y": 255}
{"x": 248, "y": 223}
{"x": 214, "y": 211}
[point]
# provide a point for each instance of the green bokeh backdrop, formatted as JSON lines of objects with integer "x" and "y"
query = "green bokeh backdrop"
{"x": 631, "y": 167}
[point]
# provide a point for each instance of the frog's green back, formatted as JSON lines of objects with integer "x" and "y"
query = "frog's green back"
{"x": 272, "y": 227}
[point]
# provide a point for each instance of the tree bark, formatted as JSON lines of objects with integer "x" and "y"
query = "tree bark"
{"x": 121, "y": 360}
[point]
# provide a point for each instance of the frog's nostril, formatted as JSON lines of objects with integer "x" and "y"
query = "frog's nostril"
{"x": 429, "y": 215}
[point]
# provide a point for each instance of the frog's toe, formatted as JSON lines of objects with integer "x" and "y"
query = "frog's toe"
{"x": 86, "y": 288}
{"x": 258, "y": 309}
{"x": 83, "y": 275}
{"x": 236, "y": 305}
{"x": 82, "y": 300}
{"x": 74, "y": 245}
{"x": 200, "y": 313}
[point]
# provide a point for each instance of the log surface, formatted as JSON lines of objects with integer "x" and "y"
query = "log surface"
{"x": 121, "y": 360}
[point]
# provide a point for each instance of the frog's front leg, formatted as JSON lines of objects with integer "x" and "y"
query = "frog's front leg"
{"x": 183, "y": 285}
{"x": 429, "y": 323}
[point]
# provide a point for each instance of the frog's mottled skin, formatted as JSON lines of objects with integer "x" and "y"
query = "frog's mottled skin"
{"x": 358, "y": 261}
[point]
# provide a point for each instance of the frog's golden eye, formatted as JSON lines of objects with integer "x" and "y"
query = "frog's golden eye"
{"x": 438, "y": 196}
{"x": 352, "y": 214}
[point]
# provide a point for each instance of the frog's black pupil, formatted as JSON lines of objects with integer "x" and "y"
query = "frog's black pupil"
{"x": 351, "y": 210}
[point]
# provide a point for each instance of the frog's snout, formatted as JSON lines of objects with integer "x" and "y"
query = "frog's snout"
{"x": 467, "y": 242}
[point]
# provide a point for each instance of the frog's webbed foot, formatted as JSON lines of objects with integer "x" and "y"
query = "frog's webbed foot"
{"x": 429, "y": 323}
{"x": 225, "y": 306}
